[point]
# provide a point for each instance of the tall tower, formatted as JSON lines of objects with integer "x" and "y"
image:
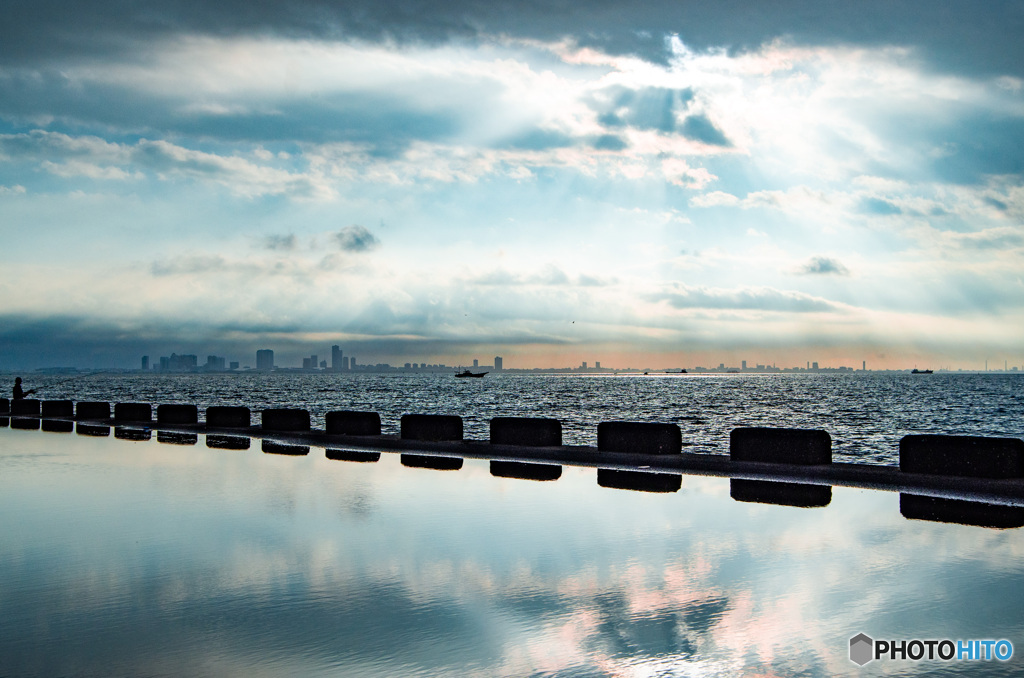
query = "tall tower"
{"x": 498, "y": 363}
{"x": 264, "y": 359}
{"x": 337, "y": 357}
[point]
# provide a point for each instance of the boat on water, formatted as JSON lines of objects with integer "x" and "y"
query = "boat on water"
{"x": 917, "y": 371}
{"x": 467, "y": 373}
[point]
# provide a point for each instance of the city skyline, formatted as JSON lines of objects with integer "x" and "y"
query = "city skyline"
{"x": 658, "y": 183}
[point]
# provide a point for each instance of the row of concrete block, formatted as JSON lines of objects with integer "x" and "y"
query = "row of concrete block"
{"x": 971, "y": 456}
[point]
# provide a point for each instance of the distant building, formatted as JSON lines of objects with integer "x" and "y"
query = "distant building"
{"x": 337, "y": 358}
{"x": 476, "y": 363}
{"x": 265, "y": 359}
{"x": 744, "y": 364}
{"x": 597, "y": 364}
{"x": 814, "y": 366}
{"x": 352, "y": 363}
{"x": 498, "y": 363}
{"x": 345, "y": 363}
{"x": 584, "y": 365}
{"x": 213, "y": 363}
{"x": 864, "y": 365}
{"x": 145, "y": 363}
{"x": 323, "y": 364}
{"x": 234, "y": 364}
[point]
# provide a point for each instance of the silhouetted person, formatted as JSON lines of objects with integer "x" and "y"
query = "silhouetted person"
{"x": 18, "y": 393}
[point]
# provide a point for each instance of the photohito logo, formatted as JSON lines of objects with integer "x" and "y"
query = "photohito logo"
{"x": 864, "y": 649}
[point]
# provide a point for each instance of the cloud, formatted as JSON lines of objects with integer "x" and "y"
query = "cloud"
{"x": 823, "y": 266}
{"x": 699, "y": 128}
{"x": 281, "y": 243}
{"x": 188, "y": 265}
{"x": 356, "y": 238}
{"x": 682, "y": 296}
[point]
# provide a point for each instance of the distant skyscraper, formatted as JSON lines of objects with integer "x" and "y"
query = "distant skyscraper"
{"x": 498, "y": 363}
{"x": 337, "y": 357}
{"x": 264, "y": 359}
{"x": 345, "y": 362}
{"x": 352, "y": 363}
{"x": 584, "y": 365}
{"x": 864, "y": 365}
{"x": 597, "y": 364}
{"x": 814, "y": 366}
{"x": 476, "y": 363}
{"x": 145, "y": 362}
{"x": 744, "y": 364}
{"x": 234, "y": 364}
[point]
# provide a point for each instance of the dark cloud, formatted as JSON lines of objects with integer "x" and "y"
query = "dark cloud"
{"x": 609, "y": 142}
{"x": 699, "y": 128}
{"x": 824, "y": 266}
{"x": 879, "y": 207}
{"x": 998, "y": 204}
{"x": 188, "y": 264}
{"x": 958, "y": 35}
{"x": 356, "y": 238}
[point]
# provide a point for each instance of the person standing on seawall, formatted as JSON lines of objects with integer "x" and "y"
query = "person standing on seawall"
{"x": 18, "y": 393}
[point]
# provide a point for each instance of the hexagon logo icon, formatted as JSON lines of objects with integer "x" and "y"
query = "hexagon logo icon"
{"x": 861, "y": 649}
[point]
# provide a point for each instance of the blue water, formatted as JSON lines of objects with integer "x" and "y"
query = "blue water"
{"x": 866, "y": 415}
{"x": 122, "y": 558}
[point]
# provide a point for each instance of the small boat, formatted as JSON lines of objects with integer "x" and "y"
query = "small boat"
{"x": 467, "y": 373}
{"x": 917, "y": 371}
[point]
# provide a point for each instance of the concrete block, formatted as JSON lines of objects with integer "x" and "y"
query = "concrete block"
{"x": 525, "y": 471}
{"x": 92, "y": 411}
{"x": 57, "y": 425}
{"x": 353, "y": 455}
{"x": 225, "y": 416}
{"x": 174, "y": 438}
{"x": 971, "y": 456}
{"x": 177, "y": 414}
{"x": 637, "y": 437}
{"x": 133, "y": 412}
{"x": 431, "y": 427}
{"x": 527, "y": 431}
{"x": 639, "y": 481}
{"x": 228, "y": 442}
{"x": 349, "y": 423}
{"x": 134, "y": 434}
{"x": 285, "y": 420}
{"x": 5, "y": 406}
{"x": 802, "y": 495}
{"x": 26, "y": 407}
{"x": 274, "y": 447}
{"x": 960, "y": 511}
{"x": 25, "y": 423}
{"x": 805, "y": 447}
{"x": 92, "y": 430}
{"x": 436, "y": 463}
{"x": 50, "y": 409}
{"x": 5, "y": 421}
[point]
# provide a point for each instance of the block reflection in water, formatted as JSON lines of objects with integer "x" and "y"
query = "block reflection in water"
{"x": 960, "y": 511}
{"x": 274, "y": 447}
{"x": 639, "y": 481}
{"x": 436, "y": 463}
{"x": 802, "y": 495}
{"x": 352, "y": 455}
{"x": 173, "y": 438}
{"x": 26, "y": 424}
{"x": 57, "y": 426}
{"x": 228, "y": 442}
{"x": 92, "y": 430}
{"x": 135, "y": 434}
{"x": 525, "y": 471}
{"x": 5, "y": 421}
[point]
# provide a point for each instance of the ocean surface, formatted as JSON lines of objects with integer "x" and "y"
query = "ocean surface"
{"x": 866, "y": 414}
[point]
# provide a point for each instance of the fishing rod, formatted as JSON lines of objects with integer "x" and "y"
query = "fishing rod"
{"x": 63, "y": 381}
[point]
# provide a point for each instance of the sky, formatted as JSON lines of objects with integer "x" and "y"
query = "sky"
{"x": 642, "y": 184}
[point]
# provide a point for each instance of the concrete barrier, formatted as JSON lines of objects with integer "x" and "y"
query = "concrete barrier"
{"x": 525, "y": 470}
{"x": 228, "y": 442}
{"x": 177, "y": 414}
{"x": 25, "y": 423}
{"x": 226, "y": 416}
{"x": 5, "y": 421}
{"x": 637, "y": 437}
{"x": 431, "y": 427}
{"x": 344, "y": 422}
{"x": 436, "y": 463}
{"x": 175, "y": 438}
{"x": 972, "y": 456}
{"x": 804, "y": 447}
{"x": 801, "y": 495}
{"x": 285, "y": 420}
{"x": 92, "y": 411}
{"x": 57, "y": 409}
{"x": 274, "y": 447}
{"x": 353, "y": 455}
{"x": 5, "y": 406}
{"x": 960, "y": 511}
{"x": 529, "y": 431}
{"x": 140, "y": 413}
{"x": 92, "y": 430}
{"x": 639, "y": 481}
{"x": 137, "y": 435}
{"x": 57, "y": 425}
{"x": 26, "y": 407}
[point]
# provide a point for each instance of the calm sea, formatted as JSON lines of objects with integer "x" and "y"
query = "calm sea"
{"x": 866, "y": 415}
